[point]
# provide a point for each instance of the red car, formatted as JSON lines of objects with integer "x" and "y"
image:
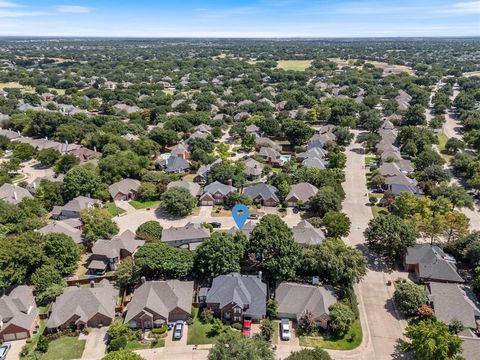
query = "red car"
{"x": 247, "y": 327}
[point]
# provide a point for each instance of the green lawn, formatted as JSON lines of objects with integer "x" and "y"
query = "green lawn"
{"x": 377, "y": 210}
{"x": 296, "y": 65}
{"x": 137, "y": 345}
{"x": 113, "y": 209}
{"x": 348, "y": 342}
{"x": 65, "y": 348}
{"x": 143, "y": 204}
{"x": 198, "y": 332}
{"x": 442, "y": 140}
{"x": 32, "y": 343}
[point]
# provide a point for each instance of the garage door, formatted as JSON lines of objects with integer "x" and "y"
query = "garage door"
{"x": 21, "y": 335}
{"x": 207, "y": 203}
{"x": 8, "y": 337}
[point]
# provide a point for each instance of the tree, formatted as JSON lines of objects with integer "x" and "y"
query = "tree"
{"x": 337, "y": 224}
{"x": 158, "y": 260}
{"x": 267, "y": 329}
{"x": 458, "y": 196}
{"x": 456, "y": 224}
{"x": 453, "y": 145}
{"x": 432, "y": 340}
{"x": 117, "y": 335}
{"x": 225, "y": 171}
{"x": 389, "y": 236}
{"x": 221, "y": 254}
{"x": 297, "y": 132}
{"x": 80, "y": 180}
{"x": 65, "y": 163}
{"x": 50, "y": 194}
{"x": 427, "y": 158}
{"x": 272, "y": 309}
{"x": 409, "y": 297}
{"x": 63, "y": 251}
{"x": 416, "y": 115}
{"x": 306, "y": 323}
{"x": 237, "y": 198}
{"x": 147, "y": 191}
{"x": 342, "y": 318}
{"x": 309, "y": 354}
{"x": 337, "y": 160}
{"x": 335, "y": 263}
{"x": 122, "y": 355}
{"x": 325, "y": 200}
{"x": 45, "y": 279}
{"x": 126, "y": 273}
{"x": 48, "y": 157}
{"x": 178, "y": 201}
{"x": 232, "y": 345}
{"x": 248, "y": 142}
{"x": 164, "y": 137}
{"x": 276, "y": 250}
{"x": 124, "y": 164}
{"x": 150, "y": 231}
{"x": 97, "y": 224}
{"x": 23, "y": 152}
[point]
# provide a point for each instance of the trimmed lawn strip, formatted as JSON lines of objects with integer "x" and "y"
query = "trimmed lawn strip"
{"x": 113, "y": 209}
{"x": 198, "y": 331}
{"x": 65, "y": 348}
{"x": 138, "y": 204}
{"x": 348, "y": 342}
{"x": 32, "y": 344}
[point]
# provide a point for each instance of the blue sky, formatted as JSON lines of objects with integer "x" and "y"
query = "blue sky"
{"x": 240, "y": 18}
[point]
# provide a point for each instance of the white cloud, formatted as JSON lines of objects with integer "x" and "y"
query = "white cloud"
{"x": 471, "y": 7}
{"x": 73, "y": 9}
{"x": 8, "y": 4}
{"x": 14, "y": 14}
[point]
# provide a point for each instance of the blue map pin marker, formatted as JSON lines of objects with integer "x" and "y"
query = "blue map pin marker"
{"x": 240, "y": 215}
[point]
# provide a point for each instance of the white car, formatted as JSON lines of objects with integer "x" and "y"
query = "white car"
{"x": 4, "y": 349}
{"x": 285, "y": 329}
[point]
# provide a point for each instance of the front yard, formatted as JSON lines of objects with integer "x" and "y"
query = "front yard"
{"x": 144, "y": 204}
{"x": 348, "y": 342}
{"x": 32, "y": 342}
{"x": 137, "y": 345}
{"x": 199, "y": 333}
{"x": 113, "y": 209}
{"x": 64, "y": 348}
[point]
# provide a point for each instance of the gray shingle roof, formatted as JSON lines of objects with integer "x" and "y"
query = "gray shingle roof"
{"x": 218, "y": 187}
{"x": 84, "y": 302}
{"x": 305, "y": 233}
{"x": 188, "y": 232}
{"x": 294, "y": 299}
{"x": 302, "y": 191}
{"x": 160, "y": 297}
{"x": 18, "y": 308}
{"x": 175, "y": 164}
{"x": 62, "y": 227}
{"x": 111, "y": 248}
{"x": 253, "y": 167}
{"x": 266, "y": 191}
{"x": 433, "y": 263}
{"x": 239, "y": 289}
{"x": 192, "y": 187}
{"x": 14, "y": 194}
{"x": 124, "y": 186}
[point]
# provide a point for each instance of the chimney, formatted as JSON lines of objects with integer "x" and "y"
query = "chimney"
{"x": 260, "y": 275}
{"x": 143, "y": 280}
{"x": 15, "y": 195}
{"x": 92, "y": 284}
{"x": 95, "y": 148}
{"x": 229, "y": 182}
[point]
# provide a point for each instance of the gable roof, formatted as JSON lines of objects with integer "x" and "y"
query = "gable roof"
{"x": 432, "y": 263}
{"x": 246, "y": 229}
{"x": 240, "y": 289}
{"x": 302, "y": 191}
{"x": 192, "y": 187}
{"x": 265, "y": 191}
{"x": 218, "y": 187}
{"x": 18, "y": 308}
{"x": 305, "y": 233}
{"x": 62, "y": 227}
{"x": 111, "y": 248}
{"x": 77, "y": 204}
{"x": 84, "y": 302}
{"x": 269, "y": 152}
{"x": 266, "y": 142}
{"x": 453, "y": 301}
{"x": 253, "y": 167}
{"x": 314, "y": 162}
{"x": 188, "y": 232}
{"x": 174, "y": 164}
{"x": 160, "y": 297}
{"x": 124, "y": 186}
{"x": 14, "y": 194}
{"x": 294, "y": 299}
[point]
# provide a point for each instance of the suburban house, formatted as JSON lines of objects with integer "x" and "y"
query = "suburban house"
{"x": 181, "y": 150}
{"x": 73, "y": 208}
{"x": 33, "y": 186}
{"x": 192, "y": 187}
{"x": 106, "y": 254}
{"x": 156, "y": 302}
{"x": 174, "y": 164}
{"x": 252, "y": 129}
{"x": 312, "y": 152}
{"x": 234, "y": 296}
{"x": 301, "y": 193}
{"x": 295, "y": 299}
{"x": 188, "y": 236}
{"x": 79, "y": 307}
{"x": 429, "y": 262}
{"x": 305, "y": 234}
{"x": 125, "y": 189}
{"x": 84, "y": 154}
{"x": 403, "y": 100}
{"x": 63, "y": 227}
{"x": 203, "y": 171}
{"x": 253, "y": 169}
{"x": 315, "y": 162}
{"x": 14, "y": 194}
{"x": 270, "y": 155}
{"x": 263, "y": 194}
{"x": 246, "y": 230}
{"x": 454, "y": 302}
{"x": 204, "y": 128}
{"x": 216, "y": 193}
{"x": 18, "y": 314}
{"x": 402, "y": 183}
{"x": 266, "y": 142}
{"x": 321, "y": 140}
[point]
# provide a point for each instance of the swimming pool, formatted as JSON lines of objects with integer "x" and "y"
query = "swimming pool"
{"x": 285, "y": 158}
{"x": 165, "y": 156}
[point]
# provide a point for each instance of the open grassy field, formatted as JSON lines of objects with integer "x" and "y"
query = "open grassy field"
{"x": 16, "y": 85}
{"x": 65, "y": 348}
{"x": 295, "y": 65}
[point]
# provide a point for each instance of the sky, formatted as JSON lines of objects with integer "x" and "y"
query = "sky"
{"x": 240, "y": 18}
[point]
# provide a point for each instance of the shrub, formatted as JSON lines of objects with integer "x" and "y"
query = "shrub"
{"x": 150, "y": 230}
{"x": 160, "y": 330}
{"x": 42, "y": 344}
{"x": 118, "y": 343}
{"x": 409, "y": 297}
{"x": 342, "y": 318}
{"x": 237, "y": 326}
{"x": 207, "y": 315}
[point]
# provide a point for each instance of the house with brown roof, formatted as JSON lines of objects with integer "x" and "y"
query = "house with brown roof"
{"x": 181, "y": 150}
{"x": 124, "y": 190}
{"x": 301, "y": 193}
{"x": 106, "y": 254}
{"x": 264, "y": 194}
{"x": 155, "y": 303}
{"x": 253, "y": 169}
{"x": 84, "y": 154}
{"x": 18, "y": 314}
{"x": 80, "y": 307}
{"x": 216, "y": 193}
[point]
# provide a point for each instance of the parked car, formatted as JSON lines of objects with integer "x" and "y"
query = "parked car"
{"x": 178, "y": 330}
{"x": 253, "y": 217}
{"x": 285, "y": 329}
{"x": 247, "y": 326}
{"x": 4, "y": 349}
{"x": 215, "y": 224}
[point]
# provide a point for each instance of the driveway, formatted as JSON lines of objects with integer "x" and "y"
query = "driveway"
{"x": 169, "y": 342}
{"x": 14, "y": 353}
{"x": 95, "y": 346}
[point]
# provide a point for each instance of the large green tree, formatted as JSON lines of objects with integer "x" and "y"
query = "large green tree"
{"x": 309, "y": 354}
{"x": 178, "y": 201}
{"x": 326, "y": 199}
{"x": 409, "y": 297}
{"x": 232, "y": 345}
{"x": 80, "y": 180}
